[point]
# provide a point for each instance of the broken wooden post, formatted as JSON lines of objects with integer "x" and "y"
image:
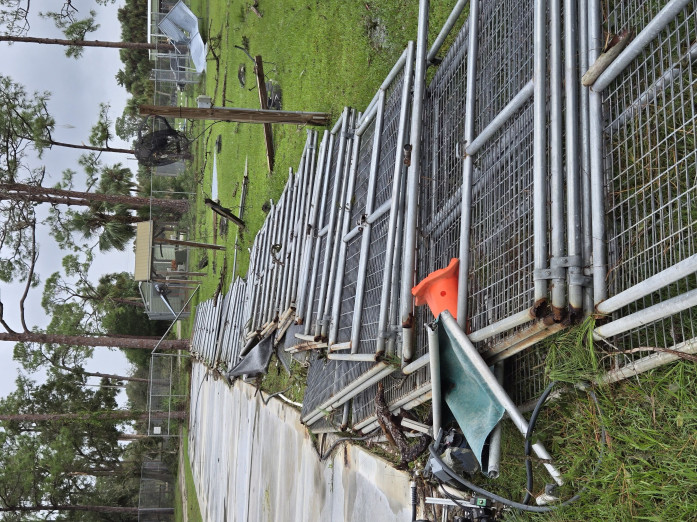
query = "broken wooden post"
{"x": 263, "y": 100}
{"x": 224, "y": 212}
{"x": 237, "y": 114}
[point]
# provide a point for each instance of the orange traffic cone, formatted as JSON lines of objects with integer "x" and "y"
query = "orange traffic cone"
{"x": 439, "y": 290}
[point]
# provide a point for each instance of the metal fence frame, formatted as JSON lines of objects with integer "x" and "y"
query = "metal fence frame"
{"x": 516, "y": 169}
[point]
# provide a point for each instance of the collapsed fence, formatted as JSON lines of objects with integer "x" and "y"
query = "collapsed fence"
{"x": 560, "y": 200}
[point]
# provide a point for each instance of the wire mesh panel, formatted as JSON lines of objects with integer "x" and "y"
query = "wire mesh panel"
{"x": 157, "y": 487}
{"x": 365, "y": 262}
{"x": 650, "y": 160}
{"x": 166, "y": 397}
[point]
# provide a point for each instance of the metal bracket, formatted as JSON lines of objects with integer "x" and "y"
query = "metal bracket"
{"x": 542, "y": 274}
{"x": 565, "y": 262}
{"x": 362, "y": 222}
{"x": 580, "y": 280}
{"x": 348, "y": 134}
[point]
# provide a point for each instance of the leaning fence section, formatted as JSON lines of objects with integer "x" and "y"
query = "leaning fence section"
{"x": 649, "y": 164}
{"x": 558, "y": 198}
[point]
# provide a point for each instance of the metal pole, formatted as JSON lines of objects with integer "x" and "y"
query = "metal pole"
{"x": 649, "y": 362}
{"x": 556, "y": 124}
{"x": 309, "y": 256}
{"x": 599, "y": 256}
{"x": 367, "y": 228}
{"x": 302, "y": 228}
{"x": 647, "y": 315}
{"x": 586, "y": 239}
{"x": 540, "y": 150}
{"x": 434, "y": 364}
{"x": 413, "y": 175}
{"x": 344, "y": 222}
{"x": 333, "y": 228}
{"x": 320, "y": 224}
{"x": 463, "y": 346}
{"x": 468, "y": 164}
{"x": 684, "y": 268}
{"x": 445, "y": 31}
{"x": 494, "y": 464}
{"x": 392, "y": 230}
{"x": 513, "y": 106}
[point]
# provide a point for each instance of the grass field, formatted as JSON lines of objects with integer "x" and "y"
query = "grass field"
{"x": 191, "y": 511}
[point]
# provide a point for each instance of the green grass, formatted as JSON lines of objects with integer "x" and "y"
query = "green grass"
{"x": 648, "y": 469}
{"x": 193, "y": 511}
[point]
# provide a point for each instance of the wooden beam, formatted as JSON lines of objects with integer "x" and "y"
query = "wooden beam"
{"x": 224, "y": 212}
{"x": 236, "y": 114}
{"x": 187, "y": 243}
{"x": 263, "y": 101}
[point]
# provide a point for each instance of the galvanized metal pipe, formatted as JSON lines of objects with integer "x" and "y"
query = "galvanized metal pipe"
{"x": 465, "y": 347}
{"x": 556, "y": 163}
{"x": 468, "y": 164}
{"x": 541, "y": 251}
{"x": 511, "y": 108}
{"x": 434, "y": 361}
{"x": 573, "y": 180}
{"x": 597, "y": 146}
{"x": 331, "y": 226}
{"x": 445, "y": 31}
{"x": 286, "y": 226}
{"x": 665, "y": 16}
{"x": 504, "y": 325}
{"x": 367, "y": 229}
{"x": 307, "y": 271}
{"x": 586, "y": 238}
{"x": 416, "y": 365}
{"x": 674, "y": 273}
{"x": 413, "y": 175}
{"x": 494, "y": 463}
{"x": 648, "y": 315}
{"x": 394, "y": 204}
{"x": 324, "y": 231}
{"x": 306, "y": 188}
{"x": 351, "y": 357}
{"x": 342, "y": 229}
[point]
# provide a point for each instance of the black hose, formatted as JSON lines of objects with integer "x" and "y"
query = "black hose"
{"x": 512, "y": 503}
{"x": 528, "y": 442}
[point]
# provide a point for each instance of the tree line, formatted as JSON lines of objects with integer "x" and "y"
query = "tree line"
{"x": 68, "y": 450}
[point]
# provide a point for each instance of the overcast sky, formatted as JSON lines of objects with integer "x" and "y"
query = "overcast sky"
{"x": 77, "y": 87}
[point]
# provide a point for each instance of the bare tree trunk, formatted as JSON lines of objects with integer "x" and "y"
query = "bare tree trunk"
{"x": 90, "y": 43}
{"x": 14, "y": 191}
{"x": 114, "y": 415}
{"x": 94, "y": 509}
{"x": 140, "y": 343}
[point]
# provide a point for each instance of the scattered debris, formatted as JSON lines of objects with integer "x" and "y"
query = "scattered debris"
{"x": 390, "y": 427}
{"x": 242, "y": 75}
{"x": 253, "y": 8}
